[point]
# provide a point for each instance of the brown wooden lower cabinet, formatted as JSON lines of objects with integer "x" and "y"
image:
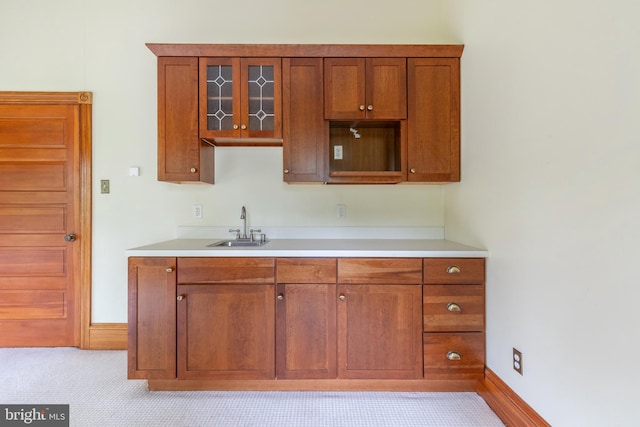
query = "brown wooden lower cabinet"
{"x": 305, "y": 323}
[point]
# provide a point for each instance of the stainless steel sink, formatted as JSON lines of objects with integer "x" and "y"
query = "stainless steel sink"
{"x": 238, "y": 243}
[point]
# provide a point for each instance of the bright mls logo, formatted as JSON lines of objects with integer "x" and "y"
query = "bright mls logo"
{"x": 34, "y": 415}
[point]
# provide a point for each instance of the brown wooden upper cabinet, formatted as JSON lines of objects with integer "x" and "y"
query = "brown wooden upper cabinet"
{"x": 365, "y": 88}
{"x": 342, "y": 113}
{"x": 240, "y": 98}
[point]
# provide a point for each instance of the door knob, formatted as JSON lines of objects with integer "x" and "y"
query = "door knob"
{"x": 70, "y": 238}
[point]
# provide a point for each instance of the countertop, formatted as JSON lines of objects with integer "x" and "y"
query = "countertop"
{"x": 395, "y": 248}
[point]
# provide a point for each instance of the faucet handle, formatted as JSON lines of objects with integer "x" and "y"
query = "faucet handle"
{"x": 235, "y": 230}
{"x": 253, "y": 230}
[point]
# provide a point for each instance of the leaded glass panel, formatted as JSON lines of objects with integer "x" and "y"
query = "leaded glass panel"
{"x": 219, "y": 97}
{"x": 261, "y": 103}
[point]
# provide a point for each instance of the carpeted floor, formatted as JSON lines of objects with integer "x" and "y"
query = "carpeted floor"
{"x": 94, "y": 384}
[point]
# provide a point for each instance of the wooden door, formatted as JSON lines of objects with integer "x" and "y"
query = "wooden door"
{"x": 433, "y": 146}
{"x": 304, "y": 144}
{"x": 182, "y": 156}
{"x": 379, "y": 331}
{"x": 306, "y": 331}
{"x": 44, "y": 218}
{"x": 386, "y": 88}
{"x": 152, "y": 318}
{"x": 226, "y": 331}
{"x": 344, "y": 88}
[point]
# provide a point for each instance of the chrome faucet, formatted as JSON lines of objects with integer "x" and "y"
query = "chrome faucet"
{"x": 243, "y": 217}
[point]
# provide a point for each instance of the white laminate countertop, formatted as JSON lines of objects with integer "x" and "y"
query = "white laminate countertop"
{"x": 395, "y": 248}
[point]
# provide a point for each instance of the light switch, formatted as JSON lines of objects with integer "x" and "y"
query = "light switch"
{"x": 104, "y": 186}
{"x": 134, "y": 171}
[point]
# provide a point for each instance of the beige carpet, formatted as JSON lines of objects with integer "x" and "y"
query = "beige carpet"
{"x": 94, "y": 384}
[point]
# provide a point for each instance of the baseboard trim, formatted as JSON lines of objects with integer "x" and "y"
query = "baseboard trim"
{"x": 107, "y": 336}
{"x": 512, "y": 410}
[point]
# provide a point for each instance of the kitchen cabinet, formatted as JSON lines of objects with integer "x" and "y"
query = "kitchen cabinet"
{"x": 294, "y": 323}
{"x": 182, "y": 155}
{"x": 454, "y": 318}
{"x": 365, "y": 88}
{"x": 305, "y": 132}
{"x": 347, "y": 114}
{"x": 433, "y": 120}
{"x": 152, "y": 318}
{"x": 225, "y": 318}
{"x": 240, "y": 99}
{"x": 306, "y": 318}
{"x": 379, "y": 318}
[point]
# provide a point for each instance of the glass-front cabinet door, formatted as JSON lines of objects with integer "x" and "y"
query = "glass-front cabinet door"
{"x": 240, "y": 98}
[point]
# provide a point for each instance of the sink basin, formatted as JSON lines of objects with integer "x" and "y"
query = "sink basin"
{"x": 238, "y": 244}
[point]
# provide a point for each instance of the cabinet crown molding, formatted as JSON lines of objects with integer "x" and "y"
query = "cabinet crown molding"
{"x": 307, "y": 50}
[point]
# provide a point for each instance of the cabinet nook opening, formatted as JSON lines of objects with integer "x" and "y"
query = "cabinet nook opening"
{"x": 365, "y": 146}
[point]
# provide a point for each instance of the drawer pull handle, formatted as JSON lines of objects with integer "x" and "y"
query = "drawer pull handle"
{"x": 452, "y": 306}
{"x": 342, "y": 297}
{"x": 454, "y": 269}
{"x": 280, "y": 297}
{"x": 453, "y": 355}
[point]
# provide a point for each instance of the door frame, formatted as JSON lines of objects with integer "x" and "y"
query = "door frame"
{"x": 82, "y": 276}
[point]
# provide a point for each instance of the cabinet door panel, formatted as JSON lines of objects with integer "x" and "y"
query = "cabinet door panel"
{"x": 379, "y": 331}
{"x": 182, "y": 157}
{"x": 152, "y": 318}
{"x": 305, "y": 331}
{"x": 305, "y": 134}
{"x": 386, "y": 88}
{"x": 344, "y": 86}
{"x": 226, "y": 332}
{"x": 434, "y": 119}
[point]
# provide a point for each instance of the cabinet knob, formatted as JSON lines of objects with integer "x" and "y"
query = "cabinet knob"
{"x": 342, "y": 297}
{"x": 243, "y": 127}
{"x": 454, "y": 269}
{"x": 169, "y": 269}
{"x": 412, "y": 170}
{"x": 235, "y": 127}
{"x": 180, "y": 297}
{"x": 286, "y": 171}
{"x": 194, "y": 170}
{"x": 362, "y": 108}
{"x": 280, "y": 297}
{"x": 453, "y": 355}
{"x": 452, "y": 306}
{"x": 370, "y": 107}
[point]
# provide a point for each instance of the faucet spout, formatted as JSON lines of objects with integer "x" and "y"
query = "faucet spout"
{"x": 243, "y": 217}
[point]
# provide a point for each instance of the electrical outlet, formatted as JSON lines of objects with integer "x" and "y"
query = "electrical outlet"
{"x": 341, "y": 211}
{"x": 337, "y": 152}
{"x": 196, "y": 211}
{"x": 517, "y": 361}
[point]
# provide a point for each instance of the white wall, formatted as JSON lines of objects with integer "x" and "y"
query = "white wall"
{"x": 72, "y": 45}
{"x": 551, "y": 186}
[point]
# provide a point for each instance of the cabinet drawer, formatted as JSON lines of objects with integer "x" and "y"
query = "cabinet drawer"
{"x": 380, "y": 270}
{"x": 453, "y": 356}
{"x": 463, "y": 271}
{"x": 306, "y": 270}
{"x": 451, "y": 308}
{"x": 226, "y": 270}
